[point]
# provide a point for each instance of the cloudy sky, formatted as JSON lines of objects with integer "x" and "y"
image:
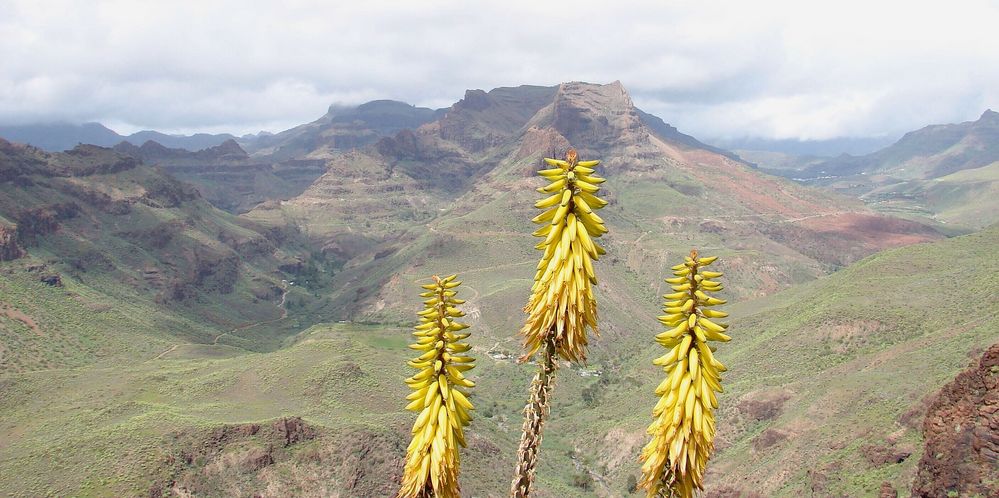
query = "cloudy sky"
{"x": 773, "y": 69}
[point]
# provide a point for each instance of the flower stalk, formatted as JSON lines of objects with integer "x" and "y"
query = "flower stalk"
{"x": 562, "y": 307}
{"x": 535, "y": 414}
{"x": 683, "y": 428}
{"x": 440, "y": 395}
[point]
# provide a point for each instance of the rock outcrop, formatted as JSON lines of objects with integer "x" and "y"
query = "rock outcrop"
{"x": 272, "y": 459}
{"x": 9, "y": 249}
{"x": 961, "y": 430}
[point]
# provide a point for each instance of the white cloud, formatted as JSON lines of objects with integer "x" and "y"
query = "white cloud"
{"x": 776, "y": 69}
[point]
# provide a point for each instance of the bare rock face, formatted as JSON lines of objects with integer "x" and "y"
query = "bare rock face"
{"x": 540, "y": 142}
{"x": 961, "y": 430}
{"x": 597, "y": 116}
{"x": 34, "y": 223}
{"x": 879, "y": 455}
{"x": 486, "y": 119}
{"x": 9, "y": 249}
{"x": 284, "y": 457}
{"x": 764, "y": 404}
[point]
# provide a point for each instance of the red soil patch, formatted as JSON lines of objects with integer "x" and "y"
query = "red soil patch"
{"x": 763, "y": 404}
{"x": 875, "y": 231}
{"x": 769, "y": 438}
{"x": 761, "y": 193}
{"x": 842, "y": 238}
{"x": 21, "y": 317}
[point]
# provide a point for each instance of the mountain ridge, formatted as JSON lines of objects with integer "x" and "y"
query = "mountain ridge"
{"x": 946, "y": 173}
{"x": 426, "y": 189}
{"x": 946, "y": 149}
{"x": 58, "y": 137}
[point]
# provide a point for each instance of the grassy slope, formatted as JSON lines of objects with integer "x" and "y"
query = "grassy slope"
{"x": 967, "y": 197}
{"x": 107, "y": 426}
{"x": 855, "y": 351}
{"x": 44, "y": 327}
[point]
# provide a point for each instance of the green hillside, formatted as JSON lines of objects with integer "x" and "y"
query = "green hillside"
{"x": 855, "y": 355}
{"x": 943, "y": 173}
{"x": 968, "y": 197}
{"x": 816, "y": 373}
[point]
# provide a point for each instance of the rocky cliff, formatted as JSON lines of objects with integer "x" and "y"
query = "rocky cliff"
{"x": 961, "y": 430}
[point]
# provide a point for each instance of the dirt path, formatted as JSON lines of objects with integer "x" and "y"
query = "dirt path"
{"x": 166, "y": 352}
{"x": 770, "y": 218}
{"x": 284, "y": 314}
{"x": 215, "y": 341}
{"x": 795, "y": 220}
{"x": 467, "y": 287}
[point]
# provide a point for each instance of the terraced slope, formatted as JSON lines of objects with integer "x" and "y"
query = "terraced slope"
{"x": 433, "y": 199}
{"x": 118, "y": 236}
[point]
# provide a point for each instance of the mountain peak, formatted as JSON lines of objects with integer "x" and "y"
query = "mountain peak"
{"x": 383, "y": 106}
{"x": 229, "y": 147}
{"x": 611, "y": 94}
{"x": 476, "y": 100}
{"x": 151, "y": 147}
{"x": 989, "y": 115}
{"x": 593, "y": 114}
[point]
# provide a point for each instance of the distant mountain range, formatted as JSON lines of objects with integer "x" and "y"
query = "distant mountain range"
{"x": 56, "y": 137}
{"x": 931, "y": 152}
{"x": 820, "y": 148}
{"x": 227, "y": 176}
{"x": 353, "y": 126}
{"x": 342, "y": 127}
{"x": 948, "y": 172}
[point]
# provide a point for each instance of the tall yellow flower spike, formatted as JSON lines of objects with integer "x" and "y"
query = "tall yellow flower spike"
{"x": 439, "y": 395}
{"x": 562, "y": 296}
{"x": 561, "y": 306}
{"x": 684, "y": 427}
